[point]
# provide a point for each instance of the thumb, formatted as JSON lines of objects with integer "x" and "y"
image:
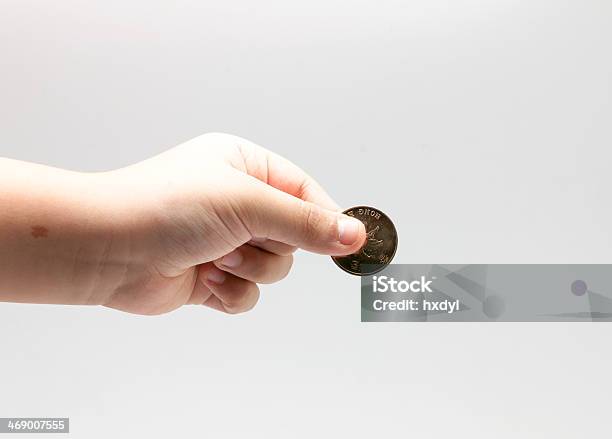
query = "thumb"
{"x": 273, "y": 214}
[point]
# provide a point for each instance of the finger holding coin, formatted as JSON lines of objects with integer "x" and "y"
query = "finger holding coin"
{"x": 379, "y": 247}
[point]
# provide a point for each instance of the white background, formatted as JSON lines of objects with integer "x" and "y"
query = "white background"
{"x": 481, "y": 127}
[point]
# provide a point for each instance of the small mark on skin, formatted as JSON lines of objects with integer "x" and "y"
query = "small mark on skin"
{"x": 39, "y": 232}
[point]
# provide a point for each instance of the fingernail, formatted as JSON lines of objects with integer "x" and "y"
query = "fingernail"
{"x": 215, "y": 275}
{"x": 232, "y": 260}
{"x": 348, "y": 229}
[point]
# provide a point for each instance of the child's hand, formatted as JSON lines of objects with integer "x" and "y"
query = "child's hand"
{"x": 209, "y": 219}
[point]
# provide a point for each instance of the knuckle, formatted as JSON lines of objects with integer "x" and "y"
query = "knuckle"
{"x": 254, "y": 298}
{"x": 207, "y": 140}
{"x": 276, "y": 269}
{"x": 220, "y": 141}
{"x": 287, "y": 266}
{"x": 242, "y": 301}
{"x": 311, "y": 221}
{"x": 317, "y": 226}
{"x": 287, "y": 251}
{"x": 233, "y": 300}
{"x": 260, "y": 270}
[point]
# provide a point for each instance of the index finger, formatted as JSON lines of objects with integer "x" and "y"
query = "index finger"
{"x": 284, "y": 175}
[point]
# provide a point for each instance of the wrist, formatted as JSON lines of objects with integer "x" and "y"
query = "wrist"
{"x": 109, "y": 250}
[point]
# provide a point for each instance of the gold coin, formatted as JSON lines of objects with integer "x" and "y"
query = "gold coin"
{"x": 379, "y": 247}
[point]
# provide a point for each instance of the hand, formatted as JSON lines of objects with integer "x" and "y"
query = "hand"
{"x": 208, "y": 220}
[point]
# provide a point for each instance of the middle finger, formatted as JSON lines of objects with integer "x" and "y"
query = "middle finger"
{"x": 255, "y": 264}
